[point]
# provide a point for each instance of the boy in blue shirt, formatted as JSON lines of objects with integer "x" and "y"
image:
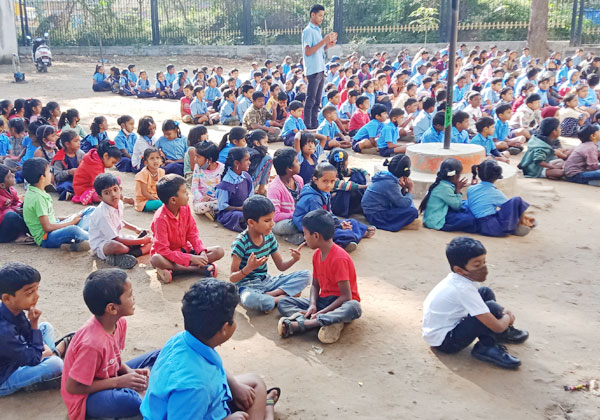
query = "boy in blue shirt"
{"x": 424, "y": 118}
{"x": 249, "y": 255}
{"x": 460, "y": 125}
{"x": 485, "y": 131}
{"x": 171, "y": 75}
{"x": 387, "y": 143}
{"x": 459, "y": 89}
{"x": 5, "y": 145}
{"x": 293, "y": 124}
{"x": 199, "y": 109}
{"x": 491, "y": 95}
{"x": 329, "y": 133}
{"x": 244, "y": 101}
{"x": 435, "y": 133}
{"x": 188, "y": 380}
{"x": 29, "y": 357}
{"x": 213, "y": 94}
{"x": 366, "y": 137}
{"x": 228, "y": 114}
{"x": 131, "y": 75}
{"x": 502, "y": 131}
{"x": 349, "y": 107}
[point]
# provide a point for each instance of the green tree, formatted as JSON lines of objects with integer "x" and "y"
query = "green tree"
{"x": 426, "y": 18}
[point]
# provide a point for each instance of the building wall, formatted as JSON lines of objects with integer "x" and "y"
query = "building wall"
{"x": 8, "y": 31}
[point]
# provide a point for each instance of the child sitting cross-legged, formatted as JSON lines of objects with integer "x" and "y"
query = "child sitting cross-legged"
{"x": 235, "y": 187}
{"x": 582, "y": 164}
{"x": 260, "y": 160}
{"x": 366, "y": 136}
{"x": 12, "y": 225}
{"x": 387, "y": 143}
{"x": 146, "y": 198}
{"x": 47, "y": 230}
{"x": 188, "y": 380}
{"x": 328, "y": 131}
{"x": 93, "y": 164}
{"x": 457, "y": 310}
{"x": 176, "y": 246}
{"x": 65, "y": 163}
{"x": 250, "y": 253}
{"x": 485, "y": 131}
{"x": 96, "y": 383}
{"x": 540, "y": 161}
{"x": 106, "y": 223}
{"x": 334, "y": 298}
{"x": 208, "y": 172}
{"x": 29, "y": 359}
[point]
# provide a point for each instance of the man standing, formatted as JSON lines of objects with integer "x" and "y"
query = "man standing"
{"x": 313, "y": 51}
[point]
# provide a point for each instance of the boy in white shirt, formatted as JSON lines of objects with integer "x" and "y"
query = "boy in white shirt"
{"x": 457, "y": 310}
{"x": 106, "y": 223}
{"x": 474, "y": 110}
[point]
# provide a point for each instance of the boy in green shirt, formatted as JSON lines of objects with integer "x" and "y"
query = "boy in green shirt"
{"x": 38, "y": 212}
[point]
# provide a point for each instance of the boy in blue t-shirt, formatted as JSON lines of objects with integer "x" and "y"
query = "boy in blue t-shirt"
{"x": 188, "y": 380}
{"x": 387, "y": 143}
{"x": 329, "y": 132}
{"x": 366, "y": 137}
{"x": 250, "y": 252}
{"x": 435, "y": 133}
{"x": 460, "y": 125}
{"x": 293, "y": 124}
{"x": 228, "y": 114}
{"x": 485, "y": 131}
{"x": 502, "y": 131}
{"x": 244, "y": 101}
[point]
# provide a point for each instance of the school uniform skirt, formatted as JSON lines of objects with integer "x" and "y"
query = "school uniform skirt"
{"x": 461, "y": 220}
{"x": 343, "y": 237}
{"x": 232, "y": 220}
{"x": 393, "y": 219}
{"x": 174, "y": 168}
{"x": 505, "y": 220}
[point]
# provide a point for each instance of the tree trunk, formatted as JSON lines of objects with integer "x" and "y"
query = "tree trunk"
{"x": 537, "y": 35}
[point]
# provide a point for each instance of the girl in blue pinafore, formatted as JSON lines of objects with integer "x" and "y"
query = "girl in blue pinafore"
{"x": 309, "y": 150}
{"x": 234, "y": 188}
{"x": 443, "y": 205}
{"x": 495, "y": 213}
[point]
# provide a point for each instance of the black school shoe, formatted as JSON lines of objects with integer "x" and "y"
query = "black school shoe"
{"x": 496, "y": 354}
{"x": 53, "y": 383}
{"x": 512, "y": 335}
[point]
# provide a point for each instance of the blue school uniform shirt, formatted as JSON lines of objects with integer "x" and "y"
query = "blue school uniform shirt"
{"x": 416, "y": 66}
{"x": 242, "y": 106}
{"x": 173, "y": 149}
{"x": 432, "y": 136}
{"x": 90, "y": 141}
{"x": 501, "y": 129}
{"x": 161, "y": 85}
{"x": 583, "y": 101}
{"x": 329, "y": 129}
{"x": 459, "y": 136}
{"x": 212, "y": 94}
{"x": 487, "y": 143}
{"x": 389, "y": 134}
{"x": 223, "y": 195}
{"x": 307, "y": 169}
{"x": 484, "y": 198}
{"x": 372, "y": 129}
{"x": 458, "y": 94}
{"x": 347, "y": 110}
{"x": 223, "y": 153}
{"x": 227, "y": 110}
{"x": 143, "y": 84}
{"x": 99, "y": 77}
{"x": 198, "y": 107}
{"x": 491, "y": 95}
{"x": 543, "y": 95}
{"x": 321, "y": 118}
{"x": 187, "y": 380}
{"x": 422, "y": 123}
{"x": 311, "y": 36}
{"x": 170, "y": 78}
{"x": 371, "y": 97}
{"x": 525, "y": 60}
{"x": 132, "y": 76}
{"x": 292, "y": 124}
{"x": 30, "y": 149}
{"x": 417, "y": 79}
{"x": 591, "y": 98}
{"x": 125, "y": 142}
{"x": 5, "y": 145}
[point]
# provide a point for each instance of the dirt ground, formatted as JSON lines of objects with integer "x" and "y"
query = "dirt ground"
{"x": 381, "y": 368}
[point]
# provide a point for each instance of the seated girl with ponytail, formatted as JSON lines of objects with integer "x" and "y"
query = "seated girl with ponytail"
{"x": 93, "y": 164}
{"x": 173, "y": 147}
{"x": 65, "y": 163}
{"x": 69, "y": 120}
{"x": 443, "y": 205}
{"x": 97, "y": 134}
{"x": 346, "y": 195}
{"x": 235, "y": 187}
{"x": 235, "y": 138}
{"x": 388, "y": 201}
{"x": 495, "y": 213}
{"x": 260, "y": 160}
{"x": 125, "y": 141}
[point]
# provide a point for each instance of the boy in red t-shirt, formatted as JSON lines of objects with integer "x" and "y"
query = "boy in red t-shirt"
{"x": 360, "y": 116}
{"x": 95, "y": 382}
{"x": 334, "y": 298}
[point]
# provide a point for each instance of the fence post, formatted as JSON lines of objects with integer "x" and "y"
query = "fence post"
{"x": 154, "y": 20}
{"x": 445, "y": 18}
{"x": 338, "y": 20}
{"x": 572, "y": 40}
{"x": 246, "y": 23}
{"x": 579, "y": 23}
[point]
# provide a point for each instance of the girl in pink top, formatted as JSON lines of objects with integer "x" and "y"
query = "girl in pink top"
{"x": 207, "y": 174}
{"x": 12, "y": 226}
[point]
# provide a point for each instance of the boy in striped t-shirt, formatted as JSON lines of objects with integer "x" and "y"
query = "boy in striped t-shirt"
{"x": 250, "y": 252}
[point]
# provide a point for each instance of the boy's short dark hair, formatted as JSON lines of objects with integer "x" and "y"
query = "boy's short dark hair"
{"x": 361, "y": 99}
{"x": 483, "y": 122}
{"x": 34, "y": 168}
{"x": 439, "y": 118}
{"x": 502, "y": 108}
{"x": 316, "y": 8}
{"x": 461, "y": 250}
{"x": 207, "y": 306}
{"x": 354, "y": 92}
{"x": 246, "y": 88}
{"x": 532, "y": 98}
{"x": 283, "y": 159}
{"x": 409, "y": 102}
{"x": 103, "y": 287}
{"x": 396, "y": 112}
{"x": 295, "y": 105}
{"x": 377, "y": 109}
{"x": 321, "y": 222}
{"x": 198, "y": 89}
{"x": 496, "y": 80}
{"x": 328, "y": 110}
{"x": 257, "y": 95}
{"x": 282, "y": 96}
{"x": 256, "y": 207}
{"x": 104, "y": 181}
{"x": 332, "y": 93}
{"x": 168, "y": 186}
{"x": 428, "y": 103}
{"x": 585, "y": 132}
{"x": 459, "y": 117}
{"x": 14, "y": 276}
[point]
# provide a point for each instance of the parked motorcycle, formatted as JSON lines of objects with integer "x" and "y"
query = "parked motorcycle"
{"x": 40, "y": 53}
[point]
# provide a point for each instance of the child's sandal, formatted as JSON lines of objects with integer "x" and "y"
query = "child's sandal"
{"x": 271, "y": 401}
{"x": 212, "y": 270}
{"x": 284, "y": 326}
{"x": 67, "y": 340}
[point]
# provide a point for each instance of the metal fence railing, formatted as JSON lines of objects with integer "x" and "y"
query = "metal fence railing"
{"x": 227, "y": 22}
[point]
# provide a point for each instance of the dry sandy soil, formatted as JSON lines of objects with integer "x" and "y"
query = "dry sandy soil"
{"x": 381, "y": 368}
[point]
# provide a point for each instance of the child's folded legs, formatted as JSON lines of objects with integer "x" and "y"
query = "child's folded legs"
{"x": 291, "y": 284}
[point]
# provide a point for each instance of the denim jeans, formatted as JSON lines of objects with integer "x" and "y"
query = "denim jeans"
{"x": 73, "y": 233}
{"x": 253, "y": 295}
{"x": 585, "y": 177}
{"x": 285, "y": 227}
{"x": 314, "y": 92}
{"x": 49, "y": 367}
{"x": 120, "y": 402}
{"x": 346, "y": 312}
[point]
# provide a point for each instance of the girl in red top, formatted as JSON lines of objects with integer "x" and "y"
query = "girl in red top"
{"x": 92, "y": 165}
{"x": 360, "y": 116}
{"x": 185, "y": 105}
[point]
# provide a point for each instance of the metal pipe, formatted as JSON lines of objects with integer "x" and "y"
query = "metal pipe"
{"x": 451, "y": 65}
{"x": 573, "y": 24}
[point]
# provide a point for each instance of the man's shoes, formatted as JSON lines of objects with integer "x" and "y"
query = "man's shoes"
{"x": 496, "y": 354}
{"x": 124, "y": 261}
{"x": 512, "y": 335}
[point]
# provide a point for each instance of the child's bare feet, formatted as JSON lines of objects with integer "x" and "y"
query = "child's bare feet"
{"x": 370, "y": 232}
{"x": 164, "y": 276}
{"x": 128, "y": 200}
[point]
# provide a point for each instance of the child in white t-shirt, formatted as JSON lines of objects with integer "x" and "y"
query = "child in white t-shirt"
{"x": 106, "y": 223}
{"x": 457, "y": 310}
